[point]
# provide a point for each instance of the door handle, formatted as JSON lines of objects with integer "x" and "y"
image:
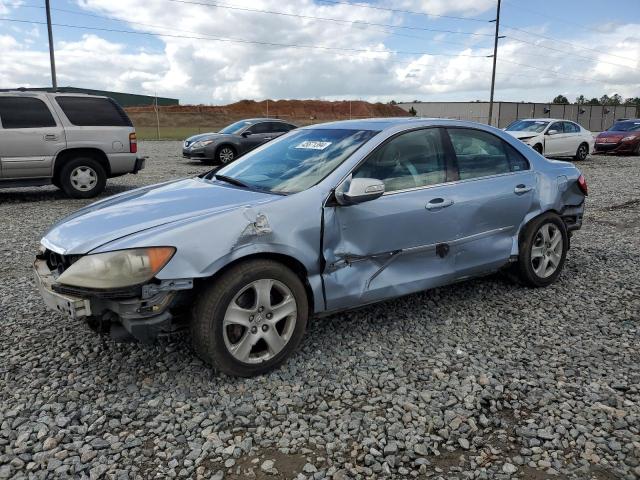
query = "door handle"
{"x": 437, "y": 203}
{"x": 522, "y": 188}
{"x": 50, "y": 136}
{"x": 268, "y": 138}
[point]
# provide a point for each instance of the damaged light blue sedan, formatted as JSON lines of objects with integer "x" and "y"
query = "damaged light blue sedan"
{"x": 323, "y": 219}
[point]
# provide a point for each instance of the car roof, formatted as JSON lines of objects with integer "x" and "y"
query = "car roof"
{"x": 545, "y": 119}
{"x": 38, "y": 93}
{"x": 267, "y": 119}
{"x": 387, "y": 123}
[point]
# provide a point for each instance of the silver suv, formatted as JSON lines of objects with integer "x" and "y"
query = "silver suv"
{"x": 74, "y": 141}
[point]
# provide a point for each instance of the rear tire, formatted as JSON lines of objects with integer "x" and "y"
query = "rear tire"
{"x": 582, "y": 153}
{"x": 250, "y": 319}
{"x": 543, "y": 250}
{"x": 82, "y": 177}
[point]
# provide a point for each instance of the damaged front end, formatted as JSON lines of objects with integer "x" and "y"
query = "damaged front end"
{"x": 141, "y": 311}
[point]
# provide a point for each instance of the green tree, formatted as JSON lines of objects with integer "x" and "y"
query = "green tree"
{"x": 632, "y": 101}
{"x": 593, "y": 101}
{"x": 615, "y": 99}
{"x": 412, "y": 112}
{"x": 561, "y": 99}
{"x": 393, "y": 102}
{"x": 605, "y": 99}
{"x": 581, "y": 100}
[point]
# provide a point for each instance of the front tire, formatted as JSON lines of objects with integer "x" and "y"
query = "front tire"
{"x": 582, "y": 152}
{"x": 543, "y": 250}
{"x": 82, "y": 177}
{"x": 251, "y": 319}
{"x": 225, "y": 154}
{"x": 538, "y": 148}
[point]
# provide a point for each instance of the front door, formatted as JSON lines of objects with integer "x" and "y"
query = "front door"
{"x": 556, "y": 144}
{"x": 493, "y": 195}
{"x": 395, "y": 244}
{"x": 30, "y": 138}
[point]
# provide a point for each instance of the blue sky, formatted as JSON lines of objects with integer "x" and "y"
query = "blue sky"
{"x": 601, "y": 56}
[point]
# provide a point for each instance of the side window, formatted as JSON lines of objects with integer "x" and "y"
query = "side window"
{"x": 278, "y": 127}
{"x": 413, "y": 159}
{"x": 262, "y": 127}
{"x": 93, "y": 112}
{"x": 25, "y": 112}
{"x": 557, "y": 126}
{"x": 570, "y": 127}
{"x": 482, "y": 154}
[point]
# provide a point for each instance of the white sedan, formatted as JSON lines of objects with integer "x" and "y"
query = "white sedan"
{"x": 553, "y": 137}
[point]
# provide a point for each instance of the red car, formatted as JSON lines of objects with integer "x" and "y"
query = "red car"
{"x": 622, "y": 137}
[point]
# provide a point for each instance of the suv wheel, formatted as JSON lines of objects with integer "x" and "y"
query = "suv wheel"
{"x": 82, "y": 177}
{"x": 543, "y": 250}
{"x": 251, "y": 319}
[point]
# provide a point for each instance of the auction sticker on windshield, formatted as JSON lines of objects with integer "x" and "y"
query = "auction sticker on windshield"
{"x": 313, "y": 145}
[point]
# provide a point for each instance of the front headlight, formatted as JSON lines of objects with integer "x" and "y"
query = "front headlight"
{"x": 122, "y": 268}
{"x": 201, "y": 143}
{"x": 629, "y": 138}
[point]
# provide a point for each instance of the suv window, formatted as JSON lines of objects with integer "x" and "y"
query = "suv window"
{"x": 279, "y": 127}
{"x": 93, "y": 112}
{"x": 570, "y": 127}
{"x": 558, "y": 126}
{"x": 413, "y": 159}
{"x": 481, "y": 154}
{"x": 25, "y": 112}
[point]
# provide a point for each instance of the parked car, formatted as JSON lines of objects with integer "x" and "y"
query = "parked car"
{"x": 553, "y": 137}
{"x": 74, "y": 141}
{"x": 234, "y": 140}
{"x": 622, "y": 137}
{"x": 325, "y": 218}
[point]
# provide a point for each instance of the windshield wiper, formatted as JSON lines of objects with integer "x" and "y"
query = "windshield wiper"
{"x": 232, "y": 181}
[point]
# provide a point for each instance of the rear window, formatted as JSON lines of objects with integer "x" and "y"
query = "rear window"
{"x": 25, "y": 112}
{"x": 93, "y": 112}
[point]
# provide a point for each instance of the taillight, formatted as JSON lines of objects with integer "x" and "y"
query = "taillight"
{"x": 582, "y": 183}
{"x": 133, "y": 143}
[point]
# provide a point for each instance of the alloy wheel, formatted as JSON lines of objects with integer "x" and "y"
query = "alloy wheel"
{"x": 226, "y": 155}
{"x": 582, "y": 152}
{"x": 259, "y": 321}
{"x": 83, "y": 178}
{"x": 546, "y": 250}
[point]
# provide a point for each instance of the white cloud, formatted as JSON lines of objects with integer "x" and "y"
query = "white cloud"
{"x": 205, "y": 71}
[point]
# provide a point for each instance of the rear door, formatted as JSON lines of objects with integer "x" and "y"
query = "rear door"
{"x": 259, "y": 133}
{"x": 30, "y": 137}
{"x": 573, "y": 137}
{"x": 493, "y": 194}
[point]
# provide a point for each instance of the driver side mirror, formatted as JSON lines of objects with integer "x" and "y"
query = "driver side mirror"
{"x": 358, "y": 190}
{"x": 247, "y": 133}
{"x": 552, "y": 132}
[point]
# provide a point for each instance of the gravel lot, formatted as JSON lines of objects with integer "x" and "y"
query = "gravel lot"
{"x": 483, "y": 379}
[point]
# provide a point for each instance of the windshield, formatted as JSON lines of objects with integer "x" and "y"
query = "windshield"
{"x": 297, "y": 160}
{"x": 235, "y": 127}
{"x": 625, "y": 127}
{"x": 534, "y": 126}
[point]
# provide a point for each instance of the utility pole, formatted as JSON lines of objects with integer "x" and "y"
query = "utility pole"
{"x": 495, "y": 57}
{"x": 52, "y": 57}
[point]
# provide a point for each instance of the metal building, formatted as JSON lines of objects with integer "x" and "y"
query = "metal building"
{"x": 592, "y": 117}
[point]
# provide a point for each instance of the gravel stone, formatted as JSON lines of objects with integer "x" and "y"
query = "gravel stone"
{"x": 482, "y": 379}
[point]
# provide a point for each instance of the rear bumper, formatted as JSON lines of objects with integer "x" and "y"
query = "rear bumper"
{"x": 572, "y": 216}
{"x": 144, "y": 316}
{"x": 139, "y": 165}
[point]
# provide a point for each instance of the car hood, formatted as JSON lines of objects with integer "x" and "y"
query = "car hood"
{"x": 145, "y": 208}
{"x": 206, "y": 136}
{"x": 522, "y": 134}
{"x": 615, "y": 135}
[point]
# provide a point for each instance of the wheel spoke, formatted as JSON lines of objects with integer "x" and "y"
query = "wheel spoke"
{"x": 555, "y": 240}
{"x": 242, "y": 349}
{"x": 275, "y": 342}
{"x": 536, "y": 252}
{"x": 554, "y": 259}
{"x": 284, "y": 309}
{"x": 237, "y": 315}
{"x": 545, "y": 232}
{"x": 263, "y": 292}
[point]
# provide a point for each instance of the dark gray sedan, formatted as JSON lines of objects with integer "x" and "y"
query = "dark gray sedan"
{"x": 234, "y": 140}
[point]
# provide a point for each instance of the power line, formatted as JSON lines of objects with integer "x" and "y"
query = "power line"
{"x": 328, "y": 19}
{"x": 511, "y": 27}
{"x": 115, "y": 19}
{"x": 241, "y": 40}
{"x": 398, "y": 10}
{"x": 584, "y": 79}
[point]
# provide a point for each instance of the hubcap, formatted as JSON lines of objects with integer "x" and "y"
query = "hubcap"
{"x": 260, "y": 321}
{"x": 546, "y": 251}
{"x": 582, "y": 152}
{"x": 226, "y": 155}
{"x": 83, "y": 178}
